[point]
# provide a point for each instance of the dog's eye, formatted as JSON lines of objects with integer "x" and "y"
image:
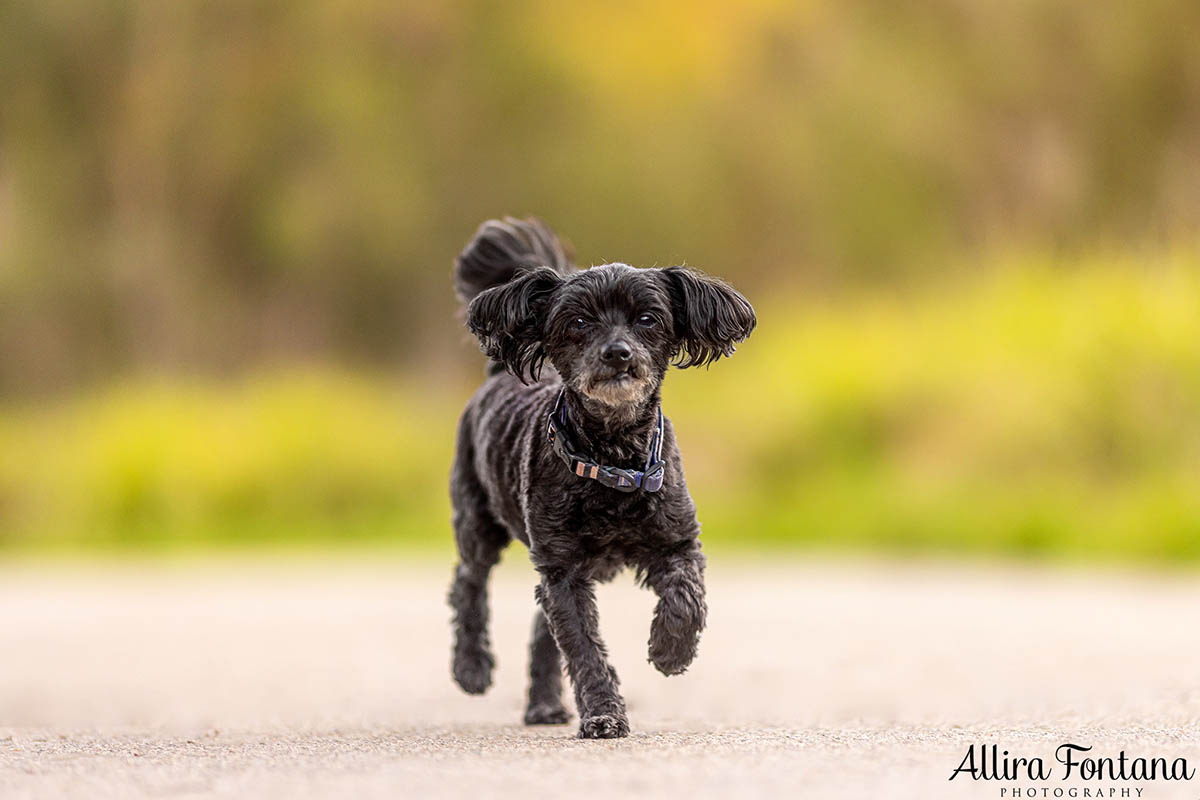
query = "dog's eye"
{"x": 579, "y": 324}
{"x": 647, "y": 321}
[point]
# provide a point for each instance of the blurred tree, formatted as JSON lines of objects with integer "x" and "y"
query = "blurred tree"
{"x": 205, "y": 185}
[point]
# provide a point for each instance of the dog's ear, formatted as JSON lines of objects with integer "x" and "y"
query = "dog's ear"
{"x": 508, "y": 320}
{"x": 710, "y": 316}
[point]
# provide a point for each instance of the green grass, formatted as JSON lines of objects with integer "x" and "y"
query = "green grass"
{"x": 283, "y": 458}
{"x": 1036, "y": 410}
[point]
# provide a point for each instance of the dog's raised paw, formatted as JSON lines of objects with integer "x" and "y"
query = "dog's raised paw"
{"x": 547, "y": 715}
{"x": 675, "y": 632}
{"x": 473, "y": 671}
{"x": 672, "y": 655}
{"x": 603, "y": 726}
{"x": 672, "y": 662}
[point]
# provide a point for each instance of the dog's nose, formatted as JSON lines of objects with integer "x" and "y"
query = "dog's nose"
{"x": 616, "y": 352}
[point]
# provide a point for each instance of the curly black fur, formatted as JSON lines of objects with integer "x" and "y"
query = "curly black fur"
{"x": 501, "y": 247}
{"x": 608, "y": 334}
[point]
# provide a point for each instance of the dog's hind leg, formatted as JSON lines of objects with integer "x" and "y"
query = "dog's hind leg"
{"x": 545, "y": 677}
{"x": 473, "y": 660}
{"x": 480, "y": 540}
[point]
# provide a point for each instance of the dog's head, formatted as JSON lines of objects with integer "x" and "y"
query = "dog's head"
{"x": 611, "y": 331}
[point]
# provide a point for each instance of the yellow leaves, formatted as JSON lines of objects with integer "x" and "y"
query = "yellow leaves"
{"x": 636, "y": 56}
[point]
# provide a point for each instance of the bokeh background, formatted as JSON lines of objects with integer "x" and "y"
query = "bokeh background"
{"x": 970, "y": 229}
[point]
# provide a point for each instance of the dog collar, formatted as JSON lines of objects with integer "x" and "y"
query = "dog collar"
{"x": 649, "y": 479}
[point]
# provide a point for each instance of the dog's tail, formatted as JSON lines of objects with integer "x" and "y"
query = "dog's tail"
{"x": 503, "y": 247}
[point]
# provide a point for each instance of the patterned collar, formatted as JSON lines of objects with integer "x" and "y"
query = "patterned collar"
{"x": 649, "y": 479}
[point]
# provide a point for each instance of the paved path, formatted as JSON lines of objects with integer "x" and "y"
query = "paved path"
{"x": 815, "y": 679}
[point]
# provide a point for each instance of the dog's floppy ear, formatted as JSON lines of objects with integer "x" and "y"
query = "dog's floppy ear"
{"x": 710, "y": 316}
{"x": 508, "y": 320}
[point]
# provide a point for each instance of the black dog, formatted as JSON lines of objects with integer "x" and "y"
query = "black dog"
{"x": 579, "y": 463}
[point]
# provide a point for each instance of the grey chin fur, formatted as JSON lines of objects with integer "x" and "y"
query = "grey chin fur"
{"x": 616, "y": 394}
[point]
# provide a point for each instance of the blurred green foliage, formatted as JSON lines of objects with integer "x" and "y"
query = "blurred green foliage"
{"x": 1039, "y": 408}
{"x": 226, "y": 229}
{"x": 1045, "y": 410}
{"x": 208, "y": 185}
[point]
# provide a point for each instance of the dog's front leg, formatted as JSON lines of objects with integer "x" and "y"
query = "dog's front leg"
{"x": 678, "y": 580}
{"x": 569, "y": 602}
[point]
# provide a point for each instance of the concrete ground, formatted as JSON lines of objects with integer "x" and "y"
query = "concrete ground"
{"x": 815, "y": 679}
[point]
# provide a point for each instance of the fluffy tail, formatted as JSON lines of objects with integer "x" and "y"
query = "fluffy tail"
{"x": 503, "y": 247}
